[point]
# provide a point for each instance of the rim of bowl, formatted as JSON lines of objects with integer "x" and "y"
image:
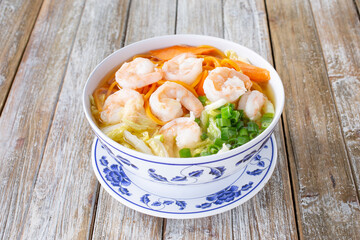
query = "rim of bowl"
{"x": 278, "y": 94}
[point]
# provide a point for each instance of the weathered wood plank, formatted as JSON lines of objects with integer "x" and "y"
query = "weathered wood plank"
{"x": 341, "y": 50}
{"x": 123, "y": 222}
{"x": 17, "y": 19}
{"x": 200, "y": 17}
{"x": 270, "y": 214}
{"x": 28, "y": 112}
{"x": 326, "y": 200}
{"x": 66, "y": 188}
{"x": 146, "y": 19}
{"x": 214, "y": 227}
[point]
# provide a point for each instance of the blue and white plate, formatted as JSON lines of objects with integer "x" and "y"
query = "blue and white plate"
{"x": 244, "y": 186}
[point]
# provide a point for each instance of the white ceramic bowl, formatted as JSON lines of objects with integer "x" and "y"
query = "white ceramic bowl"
{"x": 170, "y": 173}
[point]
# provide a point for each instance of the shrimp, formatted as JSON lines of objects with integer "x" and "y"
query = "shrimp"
{"x": 225, "y": 83}
{"x": 184, "y": 131}
{"x": 167, "y": 101}
{"x": 252, "y": 102}
{"x": 184, "y": 67}
{"x": 115, "y": 106}
{"x": 138, "y": 73}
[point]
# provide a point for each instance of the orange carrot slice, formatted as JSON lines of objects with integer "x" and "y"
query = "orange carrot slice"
{"x": 199, "y": 88}
{"x": 254, "y": 73}
{"x": 170, "y": 52}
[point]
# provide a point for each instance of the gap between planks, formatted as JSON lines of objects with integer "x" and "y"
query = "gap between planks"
{"x": 97, "y": 194}
{"x": 284, "y": 130}
{"x": 2, "y": 105}
{"x": 51, "y": 119}
{"x": 353, "y": 175}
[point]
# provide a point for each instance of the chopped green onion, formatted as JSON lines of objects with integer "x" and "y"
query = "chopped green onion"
{"x": 241, "y": 114}
{"x": 203, "y": 136}
{"x": 265, "y": 122}
{"x": 242, "y": 140}
{"x": 235, "y": 116}
{"x": 239, "y": 125}
{"x": 218, "y": 142}
{"x": 268, "y": 115}
{"x": 232, "y": 141}
{"x": 203, "y": 100}
{"x": 226, "y": 112}
{"x": 222, "y": 122}
{"x": 252, "y": 135}
{"x": 185, "y": 153}
{"x": 197, "y": 120}
{"x": 205, "y": 153}
{"x": 252, "y": 126}
{"x": 227, "y": 133}
{"x": 212, "y": 149}
{"x": 243, "y": 132}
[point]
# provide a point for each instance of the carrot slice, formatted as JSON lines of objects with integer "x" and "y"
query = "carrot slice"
{"x": 256, "y": 86}
{"x": 151, "y": 115}
{"x": 151, "y": 90}
{"x": 199, "y": 88}
{"x": 96, "y": 98}
{"x": 226, "y": 62}
{"x": 111, "y": 88}
{"x": 170, "y": 52}
{"x": 256, "y": 74}
{"x": 196, "y": 82}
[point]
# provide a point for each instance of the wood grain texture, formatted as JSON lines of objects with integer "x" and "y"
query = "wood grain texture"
{"x": 146, "y": 19}
{"x": 200, "y": 17}
{"x": 27, "y": 115}
{"x": 66, "y": 187}
{"x": 318, "y": 158}
{"x": 270, "y": 214}
{"x": 150, "y": 19}
{"x": 214, "y": 227}
{"x": 17, "y": 19}
{"x": 341, "y": 50}
{"x": 207, "y": 21}
{"x": 115, "y": 221}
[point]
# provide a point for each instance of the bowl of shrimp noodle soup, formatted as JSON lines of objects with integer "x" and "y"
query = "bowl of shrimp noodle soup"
{"x": 183, "y": 110}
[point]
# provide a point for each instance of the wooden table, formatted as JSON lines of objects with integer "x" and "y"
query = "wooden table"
{"x": 48, "y": 49}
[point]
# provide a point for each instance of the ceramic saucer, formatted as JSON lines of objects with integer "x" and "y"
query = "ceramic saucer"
{"x": 243, "y": 187}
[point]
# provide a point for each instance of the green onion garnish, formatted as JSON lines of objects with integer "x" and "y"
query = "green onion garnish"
{"x": 203, "y": 100}
{"x": 203, "y": 136}
{"x": 243, "y": 132}
{"x": 242, "y": 140}
{"x": 227, "y": 133}
{"x": 212, "y": 149}
{"x": 218, "y": 142}
{"x": 222, "y": 122}
{"x": 265, "y": 122}
{"x": 205, "y": 153}
{"x": 185, "y": 153}
{"x": 197, "y": 120}
{"x": 252, "y": 126}
{"x": 235, "y": 116}
{"x": 268, "y": 115}
{"x": 239, "y": 125}
{"x": 252, "y": 135}
{"x": 226, "y": 112}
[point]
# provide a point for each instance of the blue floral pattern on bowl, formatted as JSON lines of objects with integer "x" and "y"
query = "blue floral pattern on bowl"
{"x": 182, "y": 173}
{"x": 113, "y": 174}
{"x": 217, "y": 172}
